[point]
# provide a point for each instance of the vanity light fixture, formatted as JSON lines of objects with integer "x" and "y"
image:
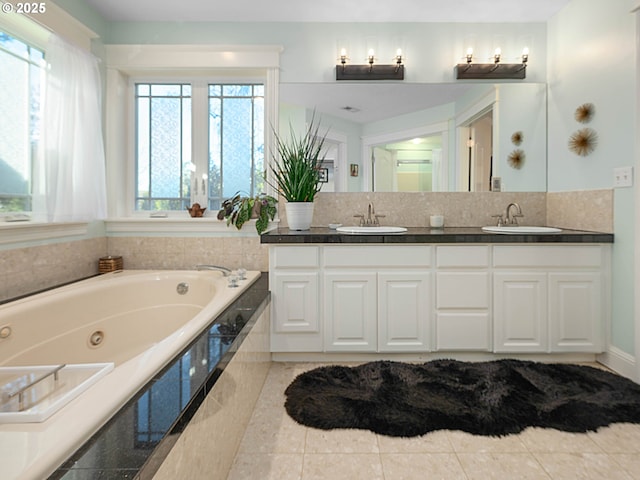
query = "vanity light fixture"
{"x": 492, "y": 71}
{"x": 370, "y": 71}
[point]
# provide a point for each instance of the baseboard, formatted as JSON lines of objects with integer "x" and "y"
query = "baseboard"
{"x": 620, "y": 362}
{"x": 335, "y": 357}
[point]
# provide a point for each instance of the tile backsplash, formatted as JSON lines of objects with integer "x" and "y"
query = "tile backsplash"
{"x": 460, "y": 209}
{"x": 30, "y": 269}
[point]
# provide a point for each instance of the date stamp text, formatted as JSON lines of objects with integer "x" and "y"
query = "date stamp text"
{"x": 24, "y": 7}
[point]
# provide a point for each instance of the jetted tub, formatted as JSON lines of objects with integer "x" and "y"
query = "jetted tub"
{"x": 138, "y": 320}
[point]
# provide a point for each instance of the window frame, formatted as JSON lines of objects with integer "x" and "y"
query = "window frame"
{"x": 199, "y": 134}
{"x": 167, "y": 63}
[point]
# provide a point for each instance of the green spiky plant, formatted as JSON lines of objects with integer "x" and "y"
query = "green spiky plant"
{"x": 239, "y": 209}
{"x": 296, "y": 167}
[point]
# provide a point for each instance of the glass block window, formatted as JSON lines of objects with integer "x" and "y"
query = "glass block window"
{"x": 21, "y": 87}
{"x": 173, "y": 169}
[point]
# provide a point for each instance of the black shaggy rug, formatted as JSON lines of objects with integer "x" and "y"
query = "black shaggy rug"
{"x": 486, "y": 398}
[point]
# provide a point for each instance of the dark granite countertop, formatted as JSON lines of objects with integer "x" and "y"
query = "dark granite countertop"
{"x": 430, "y": 235}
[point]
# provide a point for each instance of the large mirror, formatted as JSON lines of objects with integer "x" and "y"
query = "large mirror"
{"x": 426, "y": 137}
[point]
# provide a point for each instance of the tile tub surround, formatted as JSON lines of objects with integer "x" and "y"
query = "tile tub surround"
{"x": 188, "y": 397}
{"x": 28, "y": 270}
{"x": 178, "y": 253}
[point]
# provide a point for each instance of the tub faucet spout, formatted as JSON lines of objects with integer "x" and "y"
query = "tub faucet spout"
{"x": 225, "y": 271}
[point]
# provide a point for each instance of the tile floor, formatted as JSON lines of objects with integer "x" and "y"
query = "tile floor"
{"x": 275, "y": 447}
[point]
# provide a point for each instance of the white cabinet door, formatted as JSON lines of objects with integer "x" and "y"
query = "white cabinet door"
{"x": 404, "y": 306}
{"x": 520, "y": 312}
{"x": 350, "y": 311}
{"x": 296, "y": 315}
{"x": 575, "y": 312}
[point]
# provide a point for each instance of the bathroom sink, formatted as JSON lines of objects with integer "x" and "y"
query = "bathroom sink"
{"x": 357, "y": 230}
{"x": 521, "y": 229}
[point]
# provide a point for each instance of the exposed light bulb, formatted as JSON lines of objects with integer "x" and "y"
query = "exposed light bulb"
{"x": 496, "y": 55}
{"x": 371, "y": 56}
{"x": 399, "y": 56}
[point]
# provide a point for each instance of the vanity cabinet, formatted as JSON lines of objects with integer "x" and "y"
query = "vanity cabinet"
{"x": 417, "y": 298}
{"x": 549, "y": 298}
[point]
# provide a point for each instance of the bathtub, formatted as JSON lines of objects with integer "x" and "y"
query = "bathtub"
{"x": 137, "y": 320}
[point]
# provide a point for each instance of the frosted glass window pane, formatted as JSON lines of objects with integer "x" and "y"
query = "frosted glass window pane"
{"x": 165, "y": 90}
{"x": 143, "y": 147}
{"x": 165, "y": 147}
{"x": 258, "y": 146}
{"x": 186, "y": 147}
{"x": 215, "y": 146}
{"x": 215, "y": 90}
{"x": 143, "y": 90}
{"x": 236, "y": 90}
{"x": 236, "y": 145}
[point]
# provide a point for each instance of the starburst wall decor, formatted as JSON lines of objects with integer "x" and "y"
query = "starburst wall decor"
{"x": 584, "y": 113}
{"x": 516, "y": 158}
{"x": 583, "y": 142}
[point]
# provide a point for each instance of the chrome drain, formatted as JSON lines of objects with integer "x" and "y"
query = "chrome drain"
{"x": 96, "y": 338}
{"x": 182, "y": 288}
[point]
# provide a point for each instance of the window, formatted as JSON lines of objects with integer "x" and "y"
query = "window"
{"x": 197, "y": 142}
{"x": 21, "y": 84}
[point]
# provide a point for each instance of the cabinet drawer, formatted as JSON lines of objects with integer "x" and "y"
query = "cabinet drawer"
{"x": 547, "y": 256}
{"x": 378, "y": 256}
{"x": 292, "y": 257}
{"x": 462, "y": 290}
{"x": 463, "y": 331}
{"x": 462, "y": 256}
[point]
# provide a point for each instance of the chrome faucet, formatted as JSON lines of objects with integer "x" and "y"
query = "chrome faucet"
{"x": 225, "y": 271}
{"x": 512, "y": 219}
{"x": 372, "y": 219}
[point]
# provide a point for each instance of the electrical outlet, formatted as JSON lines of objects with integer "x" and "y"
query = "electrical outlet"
{"x": 622, "y": 177}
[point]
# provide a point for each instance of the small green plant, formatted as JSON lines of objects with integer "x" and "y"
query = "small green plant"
{"x": 239, "y": 209}
{"x": 296, "y": 167}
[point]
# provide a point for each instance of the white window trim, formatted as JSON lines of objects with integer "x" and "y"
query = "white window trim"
{"x": 127, "y": 61}
{"x": 19, "y": 232}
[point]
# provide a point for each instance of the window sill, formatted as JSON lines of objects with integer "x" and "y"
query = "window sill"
{"x": 16, "y": 232}
{"x": 172, "y": 226}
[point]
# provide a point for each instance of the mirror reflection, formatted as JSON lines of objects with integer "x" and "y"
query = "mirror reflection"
{"x": 404, "y": 137}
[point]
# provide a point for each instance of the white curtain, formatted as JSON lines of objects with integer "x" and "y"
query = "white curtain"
{"x": 74, "y": 149}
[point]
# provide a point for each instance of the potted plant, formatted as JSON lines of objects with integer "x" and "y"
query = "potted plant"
{"x": 296, "y": 173}
{"x": 239, "y": 209}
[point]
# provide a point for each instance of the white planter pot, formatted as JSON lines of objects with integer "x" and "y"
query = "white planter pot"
{"x": 299, "y": 215}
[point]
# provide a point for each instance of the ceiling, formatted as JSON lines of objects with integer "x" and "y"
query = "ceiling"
{"x": 328, "y": 10}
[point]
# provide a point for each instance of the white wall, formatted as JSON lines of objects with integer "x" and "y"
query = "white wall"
{"x": 592, "y": 48}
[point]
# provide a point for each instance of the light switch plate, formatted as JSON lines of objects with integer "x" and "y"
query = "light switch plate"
{"x": 622, "y": 177}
